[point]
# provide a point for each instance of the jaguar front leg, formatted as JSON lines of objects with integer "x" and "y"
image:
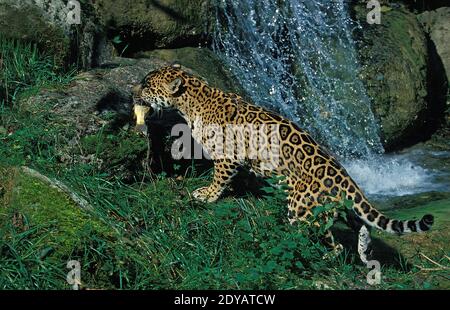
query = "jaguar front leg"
{"x": 224, "y": 171}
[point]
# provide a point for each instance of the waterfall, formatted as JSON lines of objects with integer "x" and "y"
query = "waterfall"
{"x": 298, "y": 57}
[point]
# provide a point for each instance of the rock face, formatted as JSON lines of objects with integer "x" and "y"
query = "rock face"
{"x": 96, "y": 109}
{"x": 145, "y": 25}
{"x": 394, "y": 56}
{"x": 46, "y": 23}
{"x": 437, "y": 24}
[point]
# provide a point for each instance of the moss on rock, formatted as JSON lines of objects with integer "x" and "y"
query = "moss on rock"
{"x": 422, "y": 249}
{"x": 57, "y": 223}
{"x": 25, "y": 21}
{"x": 394, "y": 56}
{"x": 45, "y": 23}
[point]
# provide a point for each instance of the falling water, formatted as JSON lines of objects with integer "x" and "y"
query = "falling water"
{"x": 298, "y": 58}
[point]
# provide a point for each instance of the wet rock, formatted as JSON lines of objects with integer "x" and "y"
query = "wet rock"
{"x": 394, "y": 57}
{"x": 437, "y": 25}
{"x": 145, "y": 25}
{"x": 46, "y": 23}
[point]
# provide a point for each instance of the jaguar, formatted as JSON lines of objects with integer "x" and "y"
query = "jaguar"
{"x": 310, "y": 172}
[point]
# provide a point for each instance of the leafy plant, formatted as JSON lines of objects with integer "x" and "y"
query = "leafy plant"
{"x": 117, "y": 40}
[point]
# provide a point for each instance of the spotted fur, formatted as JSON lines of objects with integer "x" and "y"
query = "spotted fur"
{"x": 310, "y": 171}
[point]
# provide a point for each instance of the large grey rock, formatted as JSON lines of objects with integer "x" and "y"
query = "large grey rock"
{"x": 149, "y": 24}
{"x": 203, "y": 62}
{"x": 437, "y": 24}
{"x": 46, "y": 23}
{"x": 394, "y": 58}
{"x": 95, "y": 92}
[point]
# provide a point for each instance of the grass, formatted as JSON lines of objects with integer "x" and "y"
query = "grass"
{"x": 24, "y": 69}
{"x": 151, "y": 234}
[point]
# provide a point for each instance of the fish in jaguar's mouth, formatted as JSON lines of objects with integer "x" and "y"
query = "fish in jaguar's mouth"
{"x": 140, "y": 113}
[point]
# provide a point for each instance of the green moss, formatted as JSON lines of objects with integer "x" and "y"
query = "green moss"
{"x": 394, "y": 58}
{"x": 433, "y": 242}
{"x": 401, "y": 28}
{"x": 440, "y": 209}
{"x": 60, "y": 224}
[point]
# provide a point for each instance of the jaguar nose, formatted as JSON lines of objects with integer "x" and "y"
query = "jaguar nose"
{"x": 137, "y": 89}
{"x": 137, "y": 101}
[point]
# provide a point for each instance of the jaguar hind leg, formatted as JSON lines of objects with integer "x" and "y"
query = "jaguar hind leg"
{"x": 298, "y": 208}
{"x": 300, "y": 205}
{"x": 328, "y": 239}
{"x": 364, "y": 246}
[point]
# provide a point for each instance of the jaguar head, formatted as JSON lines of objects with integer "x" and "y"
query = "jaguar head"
{"x": 159, "y": 90}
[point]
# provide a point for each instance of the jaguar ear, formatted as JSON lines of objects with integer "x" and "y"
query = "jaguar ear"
{"x": 175, "y": 87}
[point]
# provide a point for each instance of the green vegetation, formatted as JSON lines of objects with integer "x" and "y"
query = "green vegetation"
{"x": 115, "y": 149}
{"x": 24, "y": 68}
{"x": 151, "y": 234}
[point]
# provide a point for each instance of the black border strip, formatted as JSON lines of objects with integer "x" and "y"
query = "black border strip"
{"x": 127, "y": 299}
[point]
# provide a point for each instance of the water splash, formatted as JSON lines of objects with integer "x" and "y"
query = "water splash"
{"x": 298, "y": 58}
{"x": 396, "y": 176}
